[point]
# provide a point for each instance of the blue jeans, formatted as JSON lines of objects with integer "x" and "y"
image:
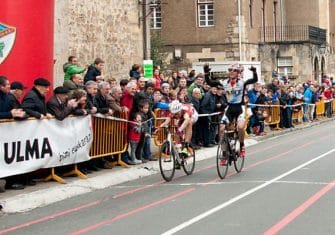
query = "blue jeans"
{"x": 147, "y": 148}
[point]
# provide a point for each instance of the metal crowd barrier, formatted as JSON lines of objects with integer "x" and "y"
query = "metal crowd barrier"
{"x": 320, "y": 108}
{"x": 110, "y": 136}
{"x": 273, "y": 117}
{"x": 298, "y": 114}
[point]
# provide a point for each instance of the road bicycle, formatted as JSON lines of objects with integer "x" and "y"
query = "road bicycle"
{"x": 173, "y": 156}
{"x": 228, "y": 151}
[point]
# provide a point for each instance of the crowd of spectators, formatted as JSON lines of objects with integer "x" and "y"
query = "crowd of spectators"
{"x": 139, "y": 97}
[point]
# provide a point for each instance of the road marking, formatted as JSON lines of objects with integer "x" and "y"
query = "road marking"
{"x": 241, "y": 196}
{"x": 134, "y": 211}
{"x": 299, "y": 210}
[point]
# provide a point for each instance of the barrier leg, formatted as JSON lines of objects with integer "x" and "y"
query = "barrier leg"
{"x": 120, "y": 162}
{"x": 76, "y": 172}
{"x": 55, "y": 177}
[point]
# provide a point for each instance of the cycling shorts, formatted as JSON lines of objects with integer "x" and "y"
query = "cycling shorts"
{"x": 232, "y": 112}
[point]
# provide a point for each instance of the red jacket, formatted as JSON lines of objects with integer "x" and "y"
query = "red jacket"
{"x": 127, "y": 100}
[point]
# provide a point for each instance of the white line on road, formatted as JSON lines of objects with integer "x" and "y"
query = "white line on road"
{"x": 241, "y": 196}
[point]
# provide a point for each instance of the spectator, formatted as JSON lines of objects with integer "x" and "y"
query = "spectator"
{"x": 5, "y": 109}
{"x": 140, "y": 84}
{"x": 208, "y": 106}
{"x": 135, "y": 71}
{"x": 198, "y": 82}
{"x": 76, "y": 82}
{"x": 16, "y": 91}
{"x": 128, "y": 97}
{"x": 34, "y": 102}
{"x": 135, "y": 132}
{"x": 59, "y": 105}
{"x": 71, "y": 67}
{"x": 91, "y": 88}
{"x": 112, "y": 82}
{"x": 114, "y": 102}
{"x": 7, "y": 112}
{"x": 123, "y": 84}
{"x": 80, "y": 96}
{"x": 101, "y": 100}
{"x": 196, "y": 134}
{"x": 94, "y": 71}
{"x": 144, "y": 149}
{"x": 157, "y": 79}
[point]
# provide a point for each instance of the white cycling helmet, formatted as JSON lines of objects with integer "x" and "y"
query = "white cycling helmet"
{"x": 175, "y": 106}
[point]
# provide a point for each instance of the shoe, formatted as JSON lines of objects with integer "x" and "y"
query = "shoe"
{"x": 144, "y": 160}
{"x": 137, "y": 161}
{"x": 153, "y": 159}
{"x": 242, "y": 152}
{"x": 15, "y": 186}
{"x": 2, "y": 185}
{"x": 108, "y": 165}
{"x": 131, "y": 163}
{"x": 214, "y": 143}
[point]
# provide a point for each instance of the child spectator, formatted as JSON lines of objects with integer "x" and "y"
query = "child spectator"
{"x": 134, "y": 137}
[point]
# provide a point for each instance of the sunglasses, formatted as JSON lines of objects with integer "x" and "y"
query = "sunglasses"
{"x": 233, "y": 70}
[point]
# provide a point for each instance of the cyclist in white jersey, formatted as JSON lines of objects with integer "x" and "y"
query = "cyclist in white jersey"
{"x": 234, "y": 87}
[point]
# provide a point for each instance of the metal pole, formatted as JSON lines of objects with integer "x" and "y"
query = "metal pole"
{"x": 145, "y": 36}
{"x": 239, "y": 30}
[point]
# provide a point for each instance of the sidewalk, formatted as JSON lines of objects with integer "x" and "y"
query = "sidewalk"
{"x": 45, "y": 193}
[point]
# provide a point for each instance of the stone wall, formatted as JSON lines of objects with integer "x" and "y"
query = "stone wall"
{"x": 109, "y": 29}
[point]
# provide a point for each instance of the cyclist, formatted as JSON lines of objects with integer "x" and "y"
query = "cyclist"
{"x": 186, "y": 116}
{"x": 234, "y": 87}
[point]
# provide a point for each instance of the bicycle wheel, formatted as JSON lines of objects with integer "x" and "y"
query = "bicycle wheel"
{"x": 238, "y": 161}
{"x": 222, "y": 158}
{"x": 188, "y": 161}
{"x": 167, "y": 160}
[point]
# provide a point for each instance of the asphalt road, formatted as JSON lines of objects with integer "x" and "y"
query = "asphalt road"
{"x": 286, "y": 187}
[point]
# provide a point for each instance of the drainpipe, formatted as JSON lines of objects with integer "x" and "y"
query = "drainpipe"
{"x": 239, "y": 30}
{"x": 145, "y": 29}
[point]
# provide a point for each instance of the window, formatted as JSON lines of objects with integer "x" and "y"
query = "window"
{"x": 205, "y": 13}
{"x": 285, "y": 66}
{"x": 156, "y": 14}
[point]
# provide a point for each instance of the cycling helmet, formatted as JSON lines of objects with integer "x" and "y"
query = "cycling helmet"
{"x": 175, "y": 106}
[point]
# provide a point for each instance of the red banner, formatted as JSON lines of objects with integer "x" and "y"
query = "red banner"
{"x": 26, "y": 40}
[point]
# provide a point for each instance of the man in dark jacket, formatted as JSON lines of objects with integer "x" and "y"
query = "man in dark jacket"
{"x": 59, "y": 105}
{"x": 16, "y": 90}
{"x": 6, "y": 111}
{"x": 91, "y": 88}
{"x": 101, "y": 100}
{"x": 94, "y": 71}
{"x": 34, "y": 102}
{"x": 208, "y": 106}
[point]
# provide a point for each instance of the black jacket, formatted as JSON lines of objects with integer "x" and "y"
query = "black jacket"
{"x": 101, "y": 103}
{"x": 4, "y": 106}
{"x": 34, "y": 104}
{"x": 59, "y": 110}
{"x": 91, "y": 74}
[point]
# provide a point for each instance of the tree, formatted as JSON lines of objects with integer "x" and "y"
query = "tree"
{"x": 157, "y": 53}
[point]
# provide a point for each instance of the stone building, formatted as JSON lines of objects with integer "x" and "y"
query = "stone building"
{"x": 293, "y": 38}
{"x": 109, "y": 29}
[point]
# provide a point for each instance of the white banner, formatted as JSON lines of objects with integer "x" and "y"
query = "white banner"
{"x": 30, "y": 145}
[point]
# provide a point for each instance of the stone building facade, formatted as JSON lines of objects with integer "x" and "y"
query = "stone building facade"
{"x": 294, "y": 38}
{"x": 109, "y": 29}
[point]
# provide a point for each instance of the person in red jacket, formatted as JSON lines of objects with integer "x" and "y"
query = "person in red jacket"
{"x": 134, "y": 137}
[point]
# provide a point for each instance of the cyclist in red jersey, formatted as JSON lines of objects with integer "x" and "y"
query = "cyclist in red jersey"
{"x": 186, "y": 116}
